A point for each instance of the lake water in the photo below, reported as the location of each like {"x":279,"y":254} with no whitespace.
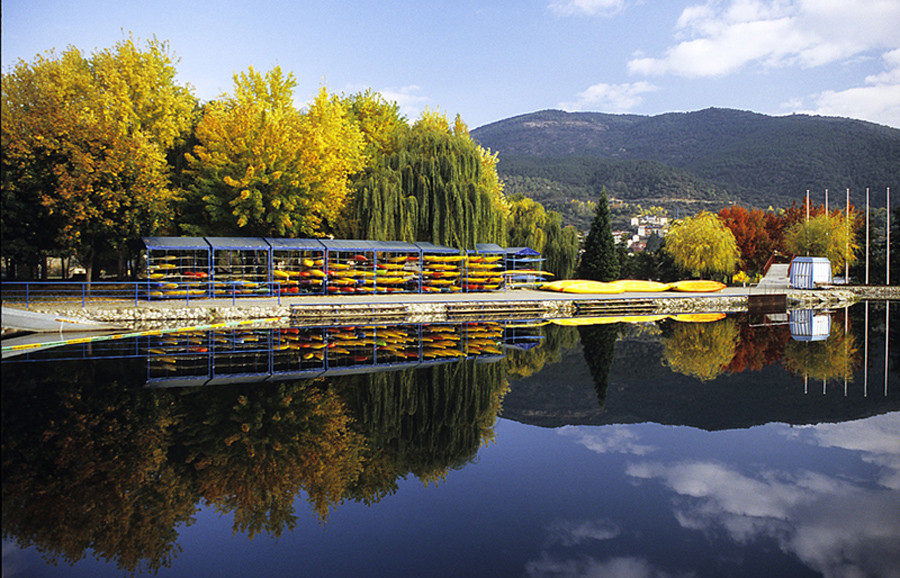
{"x":735,"y":446}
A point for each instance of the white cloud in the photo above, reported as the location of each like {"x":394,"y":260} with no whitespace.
{"x":610,"y":97}
{"x":588,"y":7}
{"x":719,"y":38}
{"x":877,"y":101}
{"x":605,"y":440}
{"x":408,"y":98}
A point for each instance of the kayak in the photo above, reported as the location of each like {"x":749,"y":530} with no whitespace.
{"x":638,"y":285}
{"x":697,"y":286}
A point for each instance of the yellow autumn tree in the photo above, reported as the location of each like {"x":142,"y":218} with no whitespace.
{"x":701,"y":350}
{"x":825,"y":235}
{"x":264,"y":168}
{"x":703,"y":245}
{"x":85,"y":143}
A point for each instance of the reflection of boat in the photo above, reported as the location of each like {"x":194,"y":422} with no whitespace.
{"x":580,"y":321}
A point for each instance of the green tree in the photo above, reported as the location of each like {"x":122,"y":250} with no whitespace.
{"x":84,"y":141}
{"x":599,"y":261}
{"x":702,"y":245}
{"x":825,"y":235}
{"x":439,"y":186}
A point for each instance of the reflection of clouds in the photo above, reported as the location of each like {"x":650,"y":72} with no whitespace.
{"x":12,"y":564}
{"x":606,"y":440}
{"x":625,"y":567}
{"x":877,"y":439}
{"x":569,"y":533}
{"x":837,"y":527}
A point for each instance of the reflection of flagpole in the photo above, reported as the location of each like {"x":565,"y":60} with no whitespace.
{"x":887,"y":340}
{"x":866,"y":356}
{"x":846,"y":325}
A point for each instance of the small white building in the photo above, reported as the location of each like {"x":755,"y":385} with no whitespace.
{"x":809,"y":272}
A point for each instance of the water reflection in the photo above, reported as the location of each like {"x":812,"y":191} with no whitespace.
{"x":827,"y":513}
{"x":103,"y":456}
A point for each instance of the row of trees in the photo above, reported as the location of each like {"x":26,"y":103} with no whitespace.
{"x":736,"y":239}
{"x":98,"y":151}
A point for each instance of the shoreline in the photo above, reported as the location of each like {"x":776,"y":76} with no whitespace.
{"x":432,"y":308}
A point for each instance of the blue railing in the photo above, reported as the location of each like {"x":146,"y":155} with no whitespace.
{"x":31,"y":293}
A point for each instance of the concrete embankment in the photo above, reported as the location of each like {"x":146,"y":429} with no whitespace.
{"x":315,"y":310}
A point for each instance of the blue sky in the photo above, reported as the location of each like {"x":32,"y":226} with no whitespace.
{"x":492,"y":59}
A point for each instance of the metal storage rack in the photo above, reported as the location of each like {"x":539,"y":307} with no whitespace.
{"x":485,"y":269}
{"x":442,"y":268}
{"x":298,"y":266}
{"x":241,"y":266}
{"x":176,"y":267}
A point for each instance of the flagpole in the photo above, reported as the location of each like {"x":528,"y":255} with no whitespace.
{"x":867,"y":235}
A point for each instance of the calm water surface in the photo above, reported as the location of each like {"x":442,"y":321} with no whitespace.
{"x":763,"y":446}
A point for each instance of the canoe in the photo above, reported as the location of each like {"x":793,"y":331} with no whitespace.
{"x":697,"y":286}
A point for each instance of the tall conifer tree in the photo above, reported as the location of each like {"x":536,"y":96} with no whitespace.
{"x":599,"y":261}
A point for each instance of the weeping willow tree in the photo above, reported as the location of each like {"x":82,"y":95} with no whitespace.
{"x":532,"y":226}
{"x":424,"y":422}
{"x":437,"y":185}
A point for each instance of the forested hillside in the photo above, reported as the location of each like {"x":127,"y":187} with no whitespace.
{"x":702,"y":159}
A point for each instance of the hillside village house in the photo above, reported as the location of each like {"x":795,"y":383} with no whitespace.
{"x":642,"y":228}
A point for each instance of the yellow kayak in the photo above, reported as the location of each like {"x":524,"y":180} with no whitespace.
{"x":584,"y":286}
{"x":697,"y":286}
{"x":639,"y":285}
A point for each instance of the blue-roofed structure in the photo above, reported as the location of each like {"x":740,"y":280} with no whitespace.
{"x":176,"y":267}
{"x":241,"y":266}
{"x":298,"y":265}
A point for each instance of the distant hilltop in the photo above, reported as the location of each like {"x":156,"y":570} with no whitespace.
{"x":712,"y":156}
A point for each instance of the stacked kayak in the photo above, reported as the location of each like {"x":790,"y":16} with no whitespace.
{"x":484,"y":273}
{"x":442,"y":273}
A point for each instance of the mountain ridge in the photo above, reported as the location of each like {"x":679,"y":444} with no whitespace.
{"x":745,"y":157}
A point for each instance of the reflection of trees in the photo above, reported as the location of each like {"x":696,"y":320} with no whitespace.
{"x":93,"y":461}
{"x":833,"y":358}
{"x":253,"y":449}
{"x":423,"y":422}
{"x":701,"y":350}
{"x":521,"y":364}
{"x":85,"y":466}
{"x":758,"y":346}
{"x":599,"y":343}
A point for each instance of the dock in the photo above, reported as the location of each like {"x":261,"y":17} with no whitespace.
{"x":449,"y":307}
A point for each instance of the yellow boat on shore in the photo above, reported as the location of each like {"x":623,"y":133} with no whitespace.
{"x":631,"y":285}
